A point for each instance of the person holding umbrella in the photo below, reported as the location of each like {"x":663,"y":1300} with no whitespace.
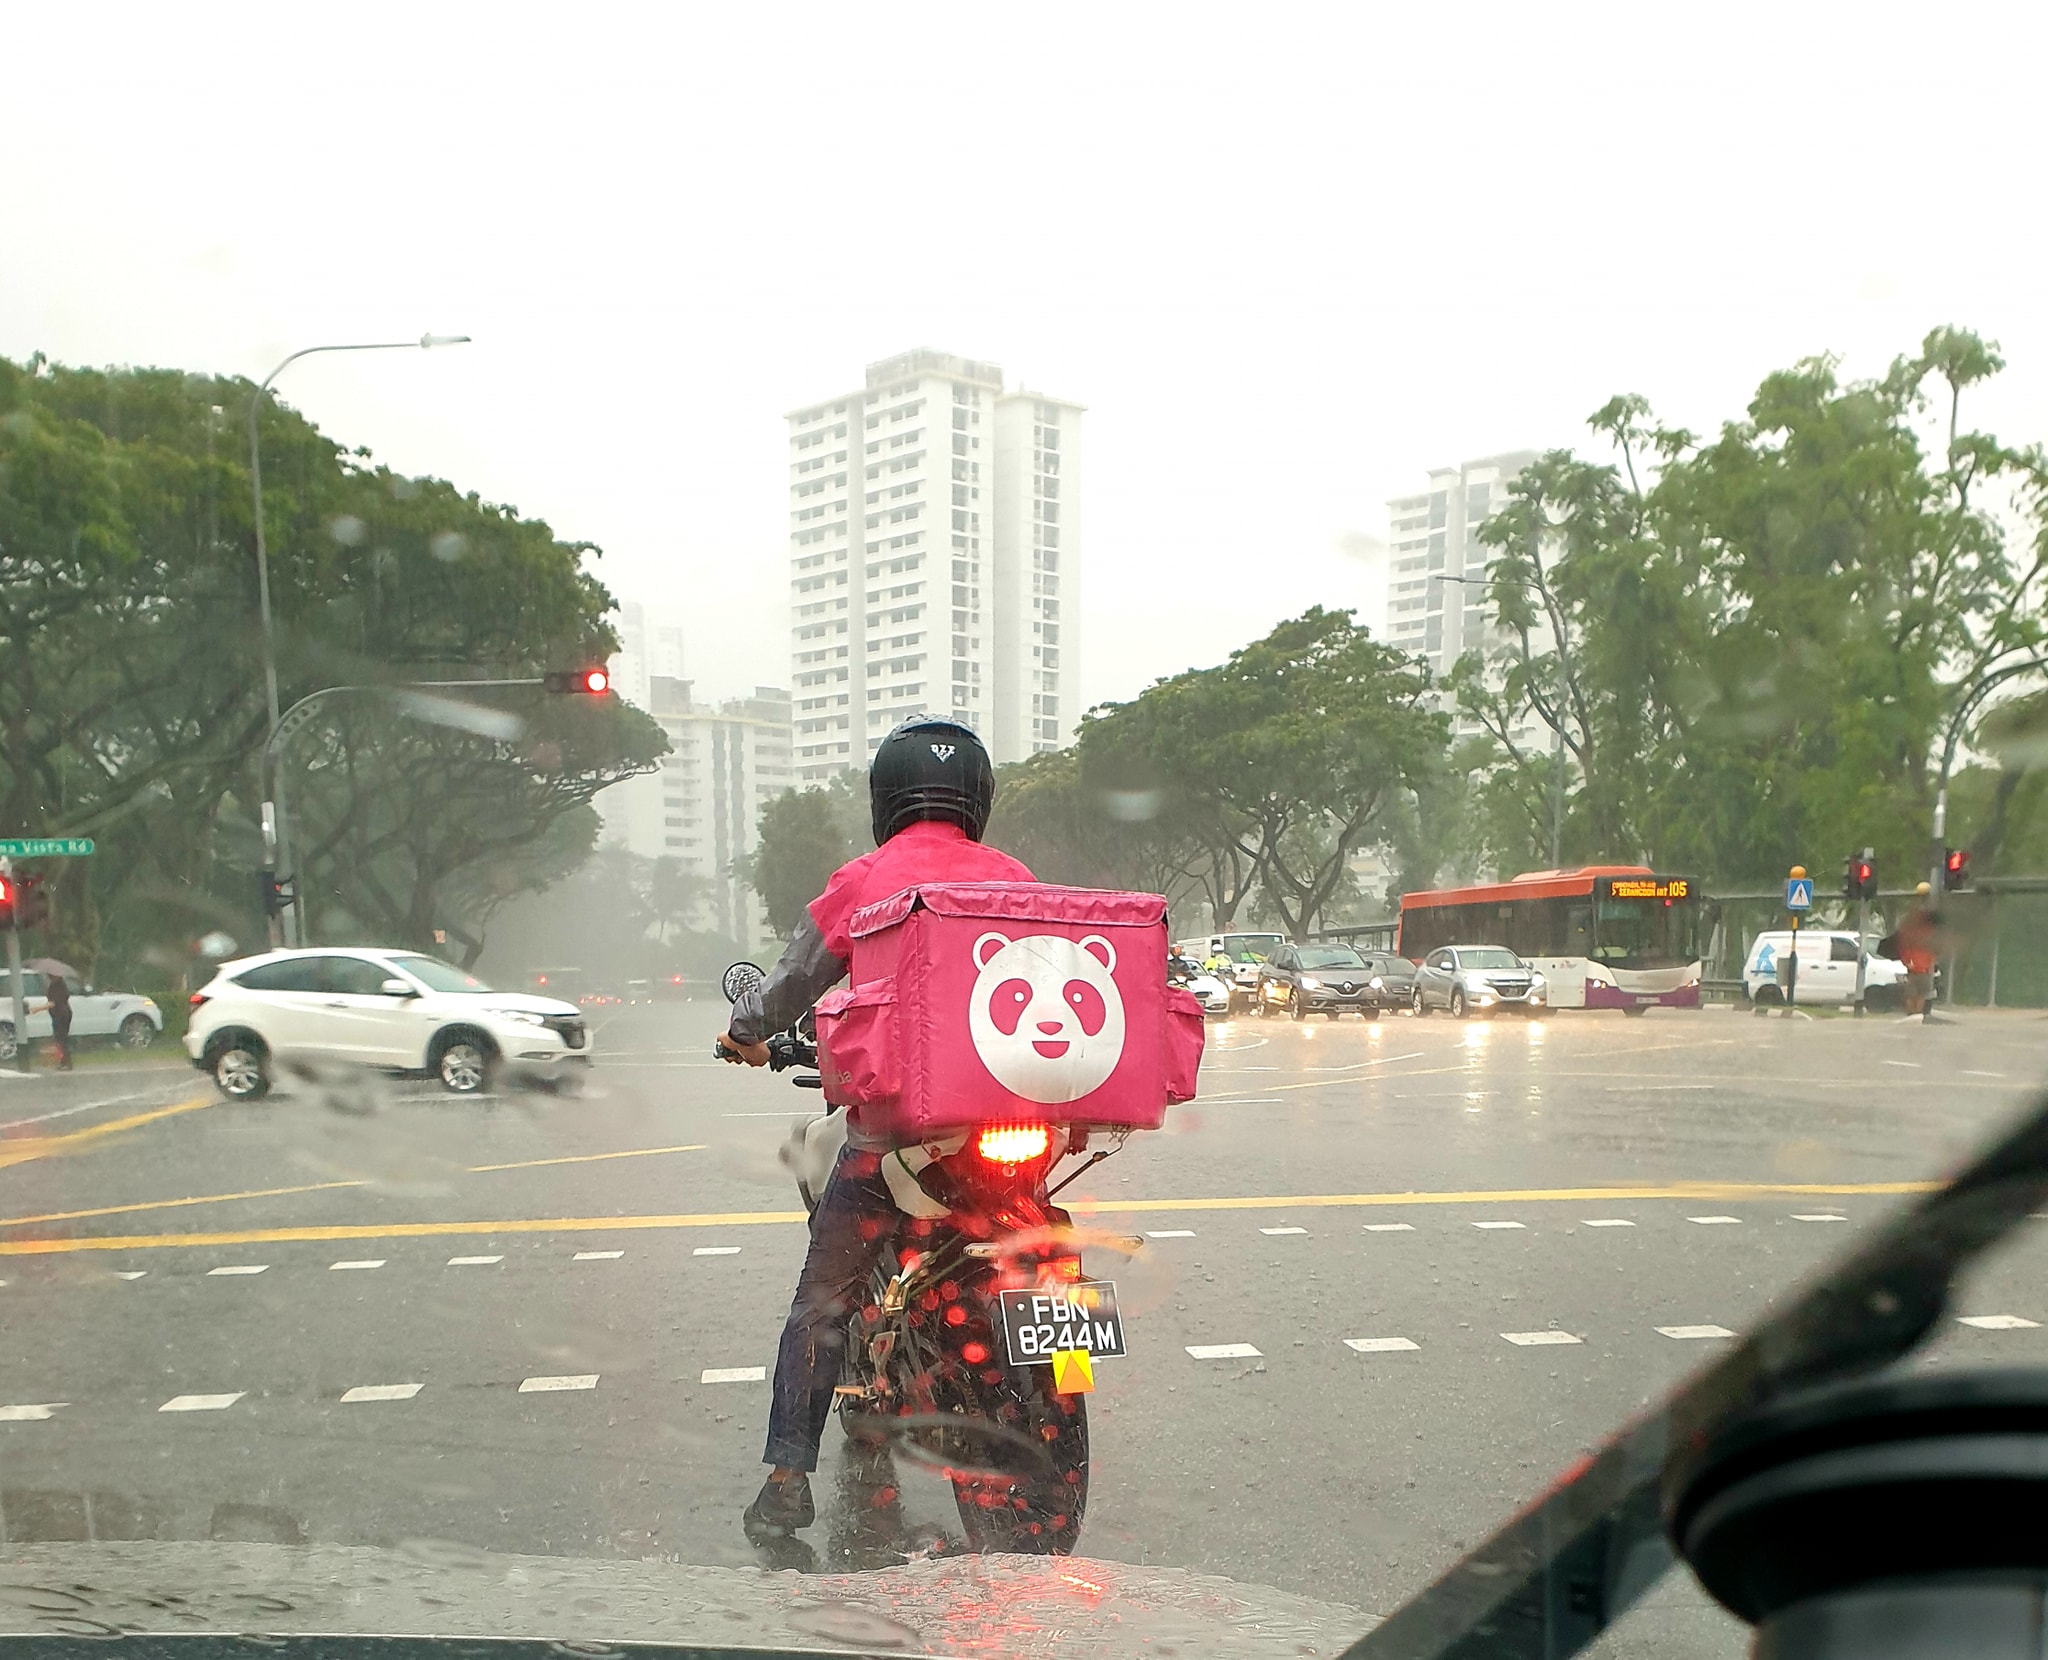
{"x":57,"y":995}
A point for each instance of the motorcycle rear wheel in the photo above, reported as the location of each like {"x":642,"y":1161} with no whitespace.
{"x":1029,"y":1505}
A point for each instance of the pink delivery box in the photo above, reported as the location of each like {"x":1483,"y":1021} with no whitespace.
{"x":1004,"y":1002}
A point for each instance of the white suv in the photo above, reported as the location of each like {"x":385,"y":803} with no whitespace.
{"x":394,"y":1010}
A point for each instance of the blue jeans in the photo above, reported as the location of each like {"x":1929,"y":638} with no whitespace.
{"x":854,"y":1220}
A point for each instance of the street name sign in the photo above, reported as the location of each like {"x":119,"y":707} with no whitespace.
{"x":46,"y":847}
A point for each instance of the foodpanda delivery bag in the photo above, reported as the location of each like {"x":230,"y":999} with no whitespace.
{"x":986,"y":1002}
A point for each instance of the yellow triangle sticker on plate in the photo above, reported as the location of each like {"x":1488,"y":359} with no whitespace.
{"x":1073,"y":1373}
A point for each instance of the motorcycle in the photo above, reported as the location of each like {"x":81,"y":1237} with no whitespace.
{"x":974,"y":1345}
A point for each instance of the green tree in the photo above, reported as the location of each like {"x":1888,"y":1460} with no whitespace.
{"x":1293,"y":754}
{"x":803,"y":840}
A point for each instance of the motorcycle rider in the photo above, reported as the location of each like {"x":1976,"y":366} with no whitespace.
{"x":930,"y":787}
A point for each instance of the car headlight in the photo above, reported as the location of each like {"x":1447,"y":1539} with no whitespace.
{"x":1377,"y":983}
{"x":1476,"y":982}
{"x":525,"y":1017}
{"x":1537,"y":982}
{"x":1310,"y":983}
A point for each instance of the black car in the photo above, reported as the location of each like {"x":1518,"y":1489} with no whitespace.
{"x":1395,"y":977}
{"x":1302,"y":980}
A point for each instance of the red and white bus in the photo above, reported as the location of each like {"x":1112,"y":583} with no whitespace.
{"x":1604,"y":936}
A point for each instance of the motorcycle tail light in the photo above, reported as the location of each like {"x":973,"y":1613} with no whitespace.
{"x":1014,"y":1144}
{"x":1060,"y":1271}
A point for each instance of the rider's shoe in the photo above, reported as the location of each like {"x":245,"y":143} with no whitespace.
{"x":780,"y":1508}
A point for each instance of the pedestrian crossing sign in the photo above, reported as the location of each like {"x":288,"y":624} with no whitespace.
{"x":1073,"y":1373}
{"x":1799,"y":893}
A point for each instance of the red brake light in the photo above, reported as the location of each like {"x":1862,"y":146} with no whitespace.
{"x":1014,"y":1144}
{"x":197,"y":998}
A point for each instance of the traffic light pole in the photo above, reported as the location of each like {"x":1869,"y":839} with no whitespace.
{"x":14,"y":974}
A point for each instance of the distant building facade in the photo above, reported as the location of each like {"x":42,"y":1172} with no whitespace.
{"x":934,"y":561}
{"x":703,"y":806}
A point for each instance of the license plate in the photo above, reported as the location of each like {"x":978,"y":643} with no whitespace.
{"x":1041,"y":1323}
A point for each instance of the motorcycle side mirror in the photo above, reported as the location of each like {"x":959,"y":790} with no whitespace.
{"x":740,"y":979}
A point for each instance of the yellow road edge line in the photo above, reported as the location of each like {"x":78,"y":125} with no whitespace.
{"x":589,"y":1158}
{"x":30,"y":1148}
{"x":728,"y":1219}
{"x":173,"y":1204}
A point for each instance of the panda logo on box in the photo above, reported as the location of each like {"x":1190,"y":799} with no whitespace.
{"x":1046,"y":1017}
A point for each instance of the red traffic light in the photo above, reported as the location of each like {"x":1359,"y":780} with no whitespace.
{"x":591,"y":682}
{"x":1957,"y":868}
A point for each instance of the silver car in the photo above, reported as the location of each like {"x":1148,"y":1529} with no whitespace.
{"x":1482,"y":979}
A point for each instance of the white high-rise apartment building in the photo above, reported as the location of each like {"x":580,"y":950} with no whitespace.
{"x":704,"y":804}
{"x":934,"y":524}
{"x":648,"y":647}
{"x":1436,"y":600}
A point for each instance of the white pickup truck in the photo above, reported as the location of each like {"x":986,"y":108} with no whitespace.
{"x":128,"y":1016}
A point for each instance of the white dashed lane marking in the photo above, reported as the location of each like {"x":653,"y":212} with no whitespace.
{"x":1390,"y":1227}
{"x":381,"y":1392}
{"x":716,"y":1251}
{"x":1967,"y":1073}
{"x":1998,"y":1322}
{"x":544,"y":1386}
{"x":1223,"y":1351}
{"x":1282,"y":1230}
{"x":1914,"y":1064}
{"x":734,"y":1374}
{"x":29,"y":1414}
{"x":597,"y":1256}
{"x":1817,"y":1216}
{"x":1687,"y":1333}
{"x":201,"y":1403}
{"x":361,"y":1262}
{"x":473,"y":1262}
{"x":129,"y":1273}
{"x":1606,"y":1222}
{"x":238,"y":1268}
{"x":1170,"y":1233}
{"x":1712,"y":1221}
{"x":1537,"y":1339}
{"x":1380,"y":1345}
{"x":1500,"y":1224}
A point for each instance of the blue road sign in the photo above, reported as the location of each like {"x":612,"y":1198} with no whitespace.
{"x":1799,"y":893}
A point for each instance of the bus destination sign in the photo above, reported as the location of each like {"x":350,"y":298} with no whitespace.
{"x":1649,"y":887}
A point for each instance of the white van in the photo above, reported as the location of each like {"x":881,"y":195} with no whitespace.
{"x":1827,"y":970}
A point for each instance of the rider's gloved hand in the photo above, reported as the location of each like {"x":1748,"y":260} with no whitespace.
{"x":754,"y":1054}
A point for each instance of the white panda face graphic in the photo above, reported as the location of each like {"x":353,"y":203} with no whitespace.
{"x":1046,"y":1017}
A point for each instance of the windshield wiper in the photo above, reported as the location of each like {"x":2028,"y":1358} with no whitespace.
{"x":1550,"y":1581}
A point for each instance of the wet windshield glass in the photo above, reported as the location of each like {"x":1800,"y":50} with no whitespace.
{"x":1369,"y":689}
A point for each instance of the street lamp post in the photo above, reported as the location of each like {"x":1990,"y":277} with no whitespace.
{"x":1556,"y":737}
{"x":276,"y":837}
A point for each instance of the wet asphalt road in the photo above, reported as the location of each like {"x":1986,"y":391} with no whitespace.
{"x":363,"y":1312}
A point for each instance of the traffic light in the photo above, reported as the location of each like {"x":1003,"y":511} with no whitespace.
{"x":275,"y":892}
{"x":1863,"y":872}
{"x":10,"y":895}
{"x":1956,"y":870}
{"x":592,"y":682}
{"x":31,"y":903}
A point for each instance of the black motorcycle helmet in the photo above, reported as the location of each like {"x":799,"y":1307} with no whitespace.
{"x":930,"y":768}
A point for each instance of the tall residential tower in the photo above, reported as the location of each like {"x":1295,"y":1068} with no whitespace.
{"x":934,"y":524}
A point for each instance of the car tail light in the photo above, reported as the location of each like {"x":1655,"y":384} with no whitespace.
{"x":198,"y":997}
{"x":1014,"y":1144}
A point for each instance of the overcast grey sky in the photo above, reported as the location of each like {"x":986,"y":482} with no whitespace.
{"x":1289,"y":256}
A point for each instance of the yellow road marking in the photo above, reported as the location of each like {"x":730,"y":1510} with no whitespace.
{"x":746,"y":1218}
{"x":589,"y":1158}
{"x":172,"y":1204}
{"x":313,"y":1187}
{"x":30,"y":1148}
